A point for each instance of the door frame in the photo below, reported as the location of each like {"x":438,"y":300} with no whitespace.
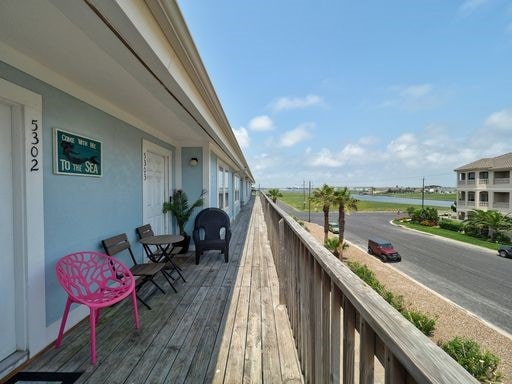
{"x":28,"y":221}
{"x":167,"y":153}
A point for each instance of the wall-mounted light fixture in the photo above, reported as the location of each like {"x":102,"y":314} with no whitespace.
{"x":193,"y":162}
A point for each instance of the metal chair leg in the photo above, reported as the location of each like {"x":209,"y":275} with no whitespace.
{"x":166,"y":275}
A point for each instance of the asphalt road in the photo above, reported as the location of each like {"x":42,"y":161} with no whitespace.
{"x":475,"y":278}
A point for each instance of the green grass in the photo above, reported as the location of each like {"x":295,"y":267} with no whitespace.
{"x":451,"y":235}
{"x":296,"y":200}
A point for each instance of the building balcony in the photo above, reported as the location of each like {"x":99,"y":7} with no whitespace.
{"x":461,"y":182}
{"x":471,"y":182}
{"x":502,"y":180}
{"x":283,"y":309}
{"x":483,"y":181}
{"x":483,"y":203}
{"x":501,"y":204}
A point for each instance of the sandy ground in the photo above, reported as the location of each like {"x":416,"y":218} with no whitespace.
{"x":452,"y":320}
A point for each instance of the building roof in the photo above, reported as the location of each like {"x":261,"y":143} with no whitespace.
{"x":498,"y":162}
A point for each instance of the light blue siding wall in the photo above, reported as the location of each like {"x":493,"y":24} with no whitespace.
{"x":192,"y":179}
{"x":81,"y":211}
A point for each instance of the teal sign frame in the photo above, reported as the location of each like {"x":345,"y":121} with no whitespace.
{"x":76,"y":155}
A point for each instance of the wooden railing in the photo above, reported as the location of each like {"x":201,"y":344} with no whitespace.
{"x":333,"y":314}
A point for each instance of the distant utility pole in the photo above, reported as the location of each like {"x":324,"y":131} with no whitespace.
{"x":309,"y":201}
{"x":304,"y":192}
{"x":423,"y":195}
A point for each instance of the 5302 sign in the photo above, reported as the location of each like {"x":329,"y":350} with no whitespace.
{"x":76,"y":155}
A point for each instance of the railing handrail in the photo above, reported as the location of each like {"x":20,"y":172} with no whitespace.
{"x":419,"y":356}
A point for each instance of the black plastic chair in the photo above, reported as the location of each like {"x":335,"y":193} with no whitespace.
{"x":212,"y":232}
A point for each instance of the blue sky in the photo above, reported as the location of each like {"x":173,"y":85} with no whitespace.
{"x":360,"y":93}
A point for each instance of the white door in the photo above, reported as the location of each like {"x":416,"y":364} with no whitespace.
{"x":156,"y":186}
{"x":7,"y":318}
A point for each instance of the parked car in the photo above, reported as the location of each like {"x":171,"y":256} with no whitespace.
{"x":334,"y":227}
{"x":383,"y":249}
{"x":505,"y":251}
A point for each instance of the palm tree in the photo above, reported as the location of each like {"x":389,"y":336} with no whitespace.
{"x":492,"y":221}
{"x":346,"y":203}
{"x":324,"y":197}
{"x":274,"y":194}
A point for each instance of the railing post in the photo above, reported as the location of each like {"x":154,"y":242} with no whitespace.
{"x":326,"y":326}
{"x":367,"y":353}
{"x":318,"y":322}
{"x":393,"y":370}
{"x":336,"y":301}
{"x":349,"y":326}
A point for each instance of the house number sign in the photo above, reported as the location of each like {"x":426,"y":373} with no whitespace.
{"x":34,"y":147}
{"x":76,"y":155}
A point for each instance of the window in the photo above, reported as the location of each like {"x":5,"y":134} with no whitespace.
{"x":220,"y":187}
{"x":226,"y":189}
{"x":237,"y":188}
{"x":223,"y":188}
{"x":471,"y":196}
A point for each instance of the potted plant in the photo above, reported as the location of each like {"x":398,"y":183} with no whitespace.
{"x":180,"y":208}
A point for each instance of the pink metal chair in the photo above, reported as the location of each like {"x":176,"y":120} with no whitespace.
{"x":97,"y":281}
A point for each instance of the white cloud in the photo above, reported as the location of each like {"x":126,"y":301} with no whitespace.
{"x":325,"y":158}
{"x":296,"y":135}
{"x":351,"y":151}
{"x":419,"y":90}
{"x":368,"y":140}
{"x":242,"y":136}
{"x":404,"y":147}
{"x":415,"y":97}
{"x":469,"y":6}
{"x":349,"y":154}
{"x":501,"y":120}
{"x":261,"y":123}
{"x":284,"y":103}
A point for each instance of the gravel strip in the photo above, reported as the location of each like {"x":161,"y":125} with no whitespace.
{"x":452,"y":320}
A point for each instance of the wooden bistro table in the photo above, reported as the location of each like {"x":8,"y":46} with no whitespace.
{"x":164,"y":246}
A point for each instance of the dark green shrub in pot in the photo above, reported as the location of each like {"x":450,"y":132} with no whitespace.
{"x":180,"y":208}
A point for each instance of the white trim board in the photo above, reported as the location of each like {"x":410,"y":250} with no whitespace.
{"x":29,"y":220}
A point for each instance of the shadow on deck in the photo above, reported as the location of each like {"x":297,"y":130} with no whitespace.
{"x":225,"y":324}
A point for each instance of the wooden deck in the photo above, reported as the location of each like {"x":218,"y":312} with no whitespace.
{"x":225,"y":324}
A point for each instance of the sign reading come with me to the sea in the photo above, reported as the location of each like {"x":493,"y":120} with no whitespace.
{"x":76,"y":155}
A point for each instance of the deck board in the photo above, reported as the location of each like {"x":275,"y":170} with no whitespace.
{"x":225,"y":324}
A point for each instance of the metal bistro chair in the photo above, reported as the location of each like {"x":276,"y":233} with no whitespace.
{"x":146,"y":271}
{"x":147,"y":231}
{"x":212,"y":231}
{"x":97,"y":281}
{"x":155,"y":254}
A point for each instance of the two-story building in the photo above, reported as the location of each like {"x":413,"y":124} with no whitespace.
{"x":485,"y":184}
{"x":105,"y":109}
